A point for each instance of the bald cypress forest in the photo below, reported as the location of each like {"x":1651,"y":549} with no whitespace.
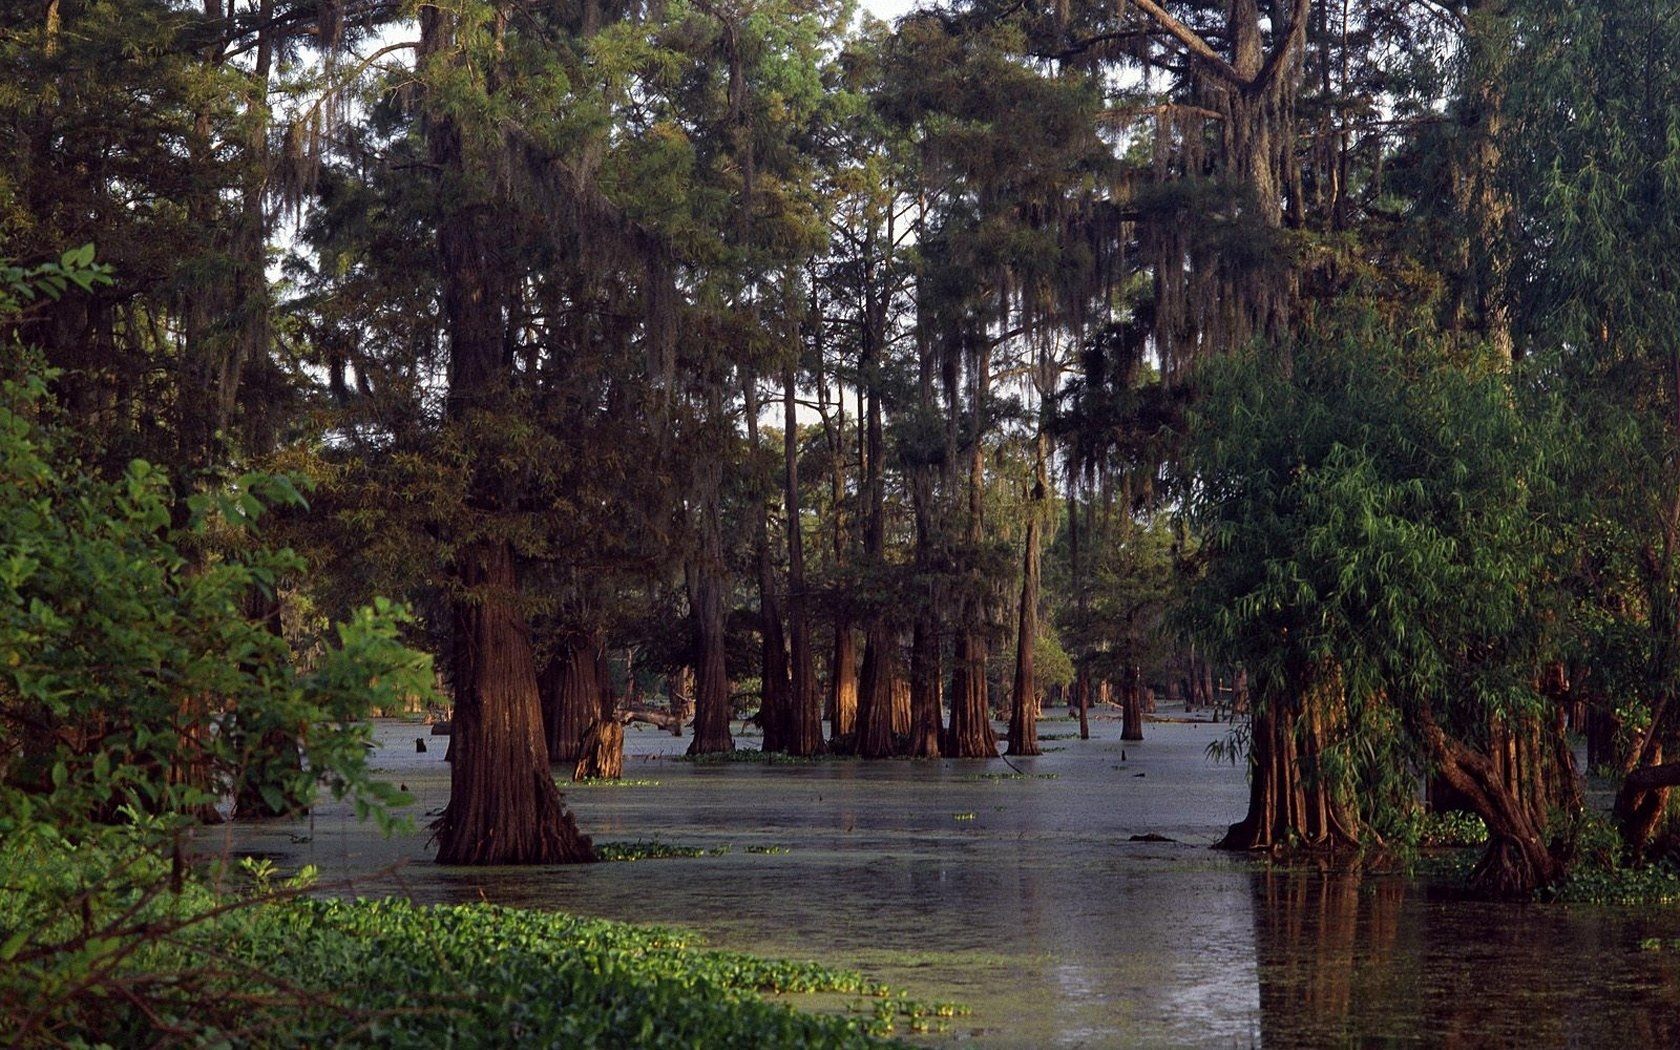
{"x":1224,"y":446}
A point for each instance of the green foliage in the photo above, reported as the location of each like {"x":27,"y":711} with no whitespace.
{"x":652,"y":850}
{"x":1596,"y":164}
{"x":753,"y":756}
{"x":137,"y":694}
{"x":295,"y":972}
{"x":1451,"y":830}
{"x":1376,"y":508}
{"x":22,"y":285}
{"x":127,"y":657}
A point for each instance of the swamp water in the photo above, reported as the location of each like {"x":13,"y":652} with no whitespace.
{"x":1024,"y":898}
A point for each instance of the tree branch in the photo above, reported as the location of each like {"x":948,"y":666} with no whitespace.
{"x":1192,"y":42}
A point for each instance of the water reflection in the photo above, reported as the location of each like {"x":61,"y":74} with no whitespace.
{"x":1044,"y":916}
{"x":1344,"y":959}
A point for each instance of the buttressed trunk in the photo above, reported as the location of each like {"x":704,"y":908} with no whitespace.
{"x":970,"y":734}
{"x":1291,"y":804}
{"x":1513,"y":804}
{"x":875,"y":695}
{"x":1131,"y":700}
{"x":504,"y":807}
{"x":711,"y":702}
{"x":601,"y":756}
{"x":571,"y":689}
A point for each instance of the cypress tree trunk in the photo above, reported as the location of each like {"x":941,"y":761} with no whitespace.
{"x":1518,"y":860}
{"x":875,"y":695}
{"x":773,"y":714}
{"x":1290,"y":803}
{"x":1131,"y":700}
{"x":925,"y":721}
{"x":874,"y":720}
{"x":571,"y":689}
{"x":601,"y":754}
{"x":971,"y":734}
{"x":900,"y":704}
{"x":843,"y":687}
{"x":711,"y":701}
{"x":804,"y":709}
{"x":1023,"y":711}
{"x":1082,"y":696}
{"x":708,"y":583}
{"x":504,"y":807}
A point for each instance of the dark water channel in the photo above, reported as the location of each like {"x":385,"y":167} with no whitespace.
{"x":1025,"y":899}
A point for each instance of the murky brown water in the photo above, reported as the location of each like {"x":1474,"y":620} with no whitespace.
{"x":1039,"y":913}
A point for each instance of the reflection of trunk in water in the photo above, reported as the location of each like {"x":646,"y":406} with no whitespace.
{"x":1325,"y":943}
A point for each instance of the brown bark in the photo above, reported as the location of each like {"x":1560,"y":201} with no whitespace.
{"x":970,"y":734}
{"x":1642,"y":800}
{"x":1291,"y":805}
{"x":925,"y":721}
{"x":711,"y":701}
{"x":1023,"y":707}
{"x":804,"y":709}
{"x":1131,"y":704}
{"x":900,"y":705}
{"x":1518,"y":861}
{"x":601,"y":756}
{"x":875,"y":695}
{"x":843,"y":684}
{"x":571,"y":688}
{"x":504,"y":807}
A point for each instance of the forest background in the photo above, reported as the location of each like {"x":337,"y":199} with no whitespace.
{"x":876,"y":379}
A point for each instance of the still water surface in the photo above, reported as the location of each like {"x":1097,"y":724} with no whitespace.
{"x":1026,"y":899}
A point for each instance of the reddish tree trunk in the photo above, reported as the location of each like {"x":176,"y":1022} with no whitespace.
{"x":711,"y":701}
{"x":970,"y":734}
{"x":601,"y":756}
{"x":875,"y":695}
{"x":1290,"y":802}
{"x":925,"y":721}
{"x":1518,"y":861}
{"x":503,"y":807}
{"x":1132,"y":704}
{"x":571,"y":688}
{"x":843,"y":686}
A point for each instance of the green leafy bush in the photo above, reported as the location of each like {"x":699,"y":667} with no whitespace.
{"x":138,"y":696}
{"x":288,"y":971}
